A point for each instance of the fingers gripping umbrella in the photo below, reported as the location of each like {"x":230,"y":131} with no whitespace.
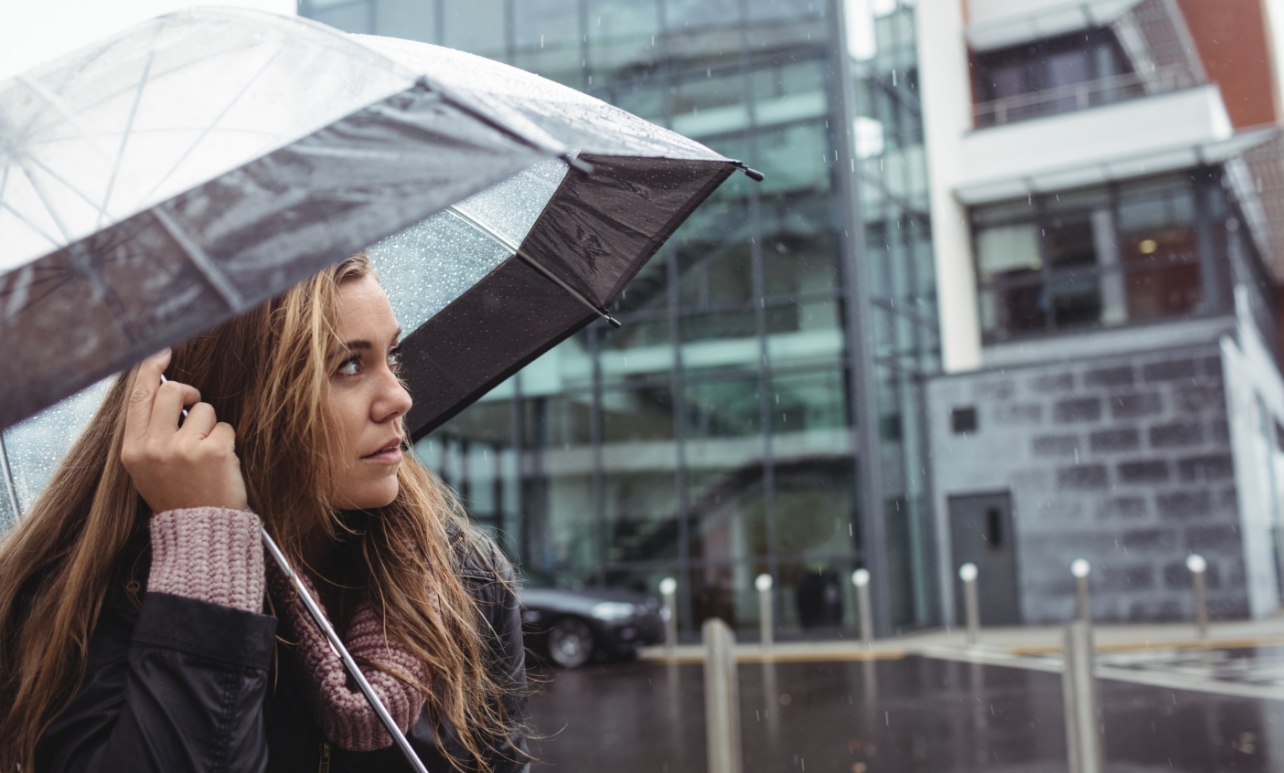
{"x":176,"y":175}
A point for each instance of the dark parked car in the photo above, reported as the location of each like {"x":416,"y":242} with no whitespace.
{"x":571,"y":626}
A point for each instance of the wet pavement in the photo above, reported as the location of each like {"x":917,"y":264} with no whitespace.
{"x":912,"y":714}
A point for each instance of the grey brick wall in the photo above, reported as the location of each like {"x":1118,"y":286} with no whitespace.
{"x":1122,"y":460}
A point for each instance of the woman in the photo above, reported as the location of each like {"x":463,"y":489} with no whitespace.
{"x":139,"y":629}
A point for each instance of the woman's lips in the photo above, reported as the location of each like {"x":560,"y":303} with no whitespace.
{"x":386,"y":456}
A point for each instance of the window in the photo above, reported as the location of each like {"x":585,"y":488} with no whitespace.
{"x":994,"y":528}
{"x":1099,"y":257}
{"x":963,"y":420}
{"x":1157,"y":242}
{"x":1055,"y":75}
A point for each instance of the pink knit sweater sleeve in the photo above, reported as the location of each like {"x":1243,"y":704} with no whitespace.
{"x":209,"y":554}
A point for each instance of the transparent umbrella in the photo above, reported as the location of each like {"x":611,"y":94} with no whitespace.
{"x":176,"y":175}
{"x":182,"y":172}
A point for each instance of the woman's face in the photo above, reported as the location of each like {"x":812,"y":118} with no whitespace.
{"x":366,"y":400}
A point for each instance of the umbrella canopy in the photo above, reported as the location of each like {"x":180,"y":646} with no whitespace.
{"x":178,"y":174}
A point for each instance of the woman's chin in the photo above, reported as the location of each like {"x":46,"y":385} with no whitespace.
{"x":369,"y":497}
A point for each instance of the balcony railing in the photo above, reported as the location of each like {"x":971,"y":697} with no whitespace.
{"x":1080,"y":96}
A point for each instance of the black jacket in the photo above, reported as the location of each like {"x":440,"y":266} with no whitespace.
{"x":181,"y":685}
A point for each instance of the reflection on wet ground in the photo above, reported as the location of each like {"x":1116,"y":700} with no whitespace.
{"x":1263,"y":666}
{"x":915,"y":714}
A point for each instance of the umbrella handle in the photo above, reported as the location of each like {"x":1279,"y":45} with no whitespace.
{"x":351,"y":665}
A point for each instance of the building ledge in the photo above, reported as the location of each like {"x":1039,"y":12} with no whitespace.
{"x":1092,"y":146}
{"x":1002,"y":23}
{"x":1091,"y":344}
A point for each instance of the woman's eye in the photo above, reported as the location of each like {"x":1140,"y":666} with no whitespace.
{"x":349,"y":367}
{"x":394,"y":359}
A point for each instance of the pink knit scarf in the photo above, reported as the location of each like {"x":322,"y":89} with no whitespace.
{"x":346,"y":718}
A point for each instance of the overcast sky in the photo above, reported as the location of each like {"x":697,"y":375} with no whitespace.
{"x":34,"y":31}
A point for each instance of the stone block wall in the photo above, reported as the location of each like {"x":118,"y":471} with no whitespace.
{"x":1123,"y":460}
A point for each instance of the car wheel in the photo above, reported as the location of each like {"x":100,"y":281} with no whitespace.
{"x":570,"y":643}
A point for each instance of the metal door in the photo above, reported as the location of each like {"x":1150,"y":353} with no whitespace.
{"x":981,"y":533}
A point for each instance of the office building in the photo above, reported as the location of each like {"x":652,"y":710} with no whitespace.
{"x":736,"y":424}
{"x":1104,"y":181}
{"x":1007,"y":296}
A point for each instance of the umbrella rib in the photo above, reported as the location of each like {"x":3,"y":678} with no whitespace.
{"x":63,"y":276}
{"x":210,"y":128}
{"x":56,"y":103}
{"x":35,"y":186}
{"x":32,"y":302}
{"x":143,"y":80}
{"x":111,"y":299}
{"x":52,"y":241}
{"x":11,"y":486}
{"x":110,"y":95}
{"x":535,"y":264}
{"x":83,"y":196}
{"x":201,"y":261}
{"x":568,"y":157}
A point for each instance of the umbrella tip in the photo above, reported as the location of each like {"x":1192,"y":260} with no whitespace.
{"x":752,"y":174}
{"x":612,"y":321}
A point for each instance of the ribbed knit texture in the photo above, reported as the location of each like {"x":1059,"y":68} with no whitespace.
{"x":346,"y":717}
{"x":209,"y":554}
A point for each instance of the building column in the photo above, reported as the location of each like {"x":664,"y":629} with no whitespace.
{"x":1114,"y":298}
{"x":858,"y":318}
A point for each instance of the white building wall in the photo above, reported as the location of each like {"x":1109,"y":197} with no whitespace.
{"x":947,"y":118}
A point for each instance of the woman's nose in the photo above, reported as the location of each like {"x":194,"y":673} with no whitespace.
{"x":393,"y":401}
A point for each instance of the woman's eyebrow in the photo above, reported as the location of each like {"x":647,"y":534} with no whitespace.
{"x":364,"y":345}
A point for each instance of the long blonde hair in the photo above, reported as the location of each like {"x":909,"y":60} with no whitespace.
{"x":266,"y":373}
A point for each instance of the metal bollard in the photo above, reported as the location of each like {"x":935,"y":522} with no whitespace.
{"x":1197,"y":566}
{"x":1080,"y":568}
{"x":860,"y":578}
{"x":967,"y":573}
{"x":765,"y":609}
{"x":721,"y":698}
{"x":669,"y":589}
{"x":1079,"y":694}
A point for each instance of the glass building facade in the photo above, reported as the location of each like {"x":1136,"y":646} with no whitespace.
{"x":760,"y":409}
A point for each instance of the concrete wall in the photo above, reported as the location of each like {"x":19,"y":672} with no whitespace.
{"x":1124,"y":460}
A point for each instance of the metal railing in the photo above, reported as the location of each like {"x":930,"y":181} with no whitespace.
{"x":1080,"y":96}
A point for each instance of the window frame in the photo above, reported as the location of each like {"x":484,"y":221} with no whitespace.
{"x":1208,"y":232}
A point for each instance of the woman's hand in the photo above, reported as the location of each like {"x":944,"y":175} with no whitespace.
{"x":178,"y":467}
